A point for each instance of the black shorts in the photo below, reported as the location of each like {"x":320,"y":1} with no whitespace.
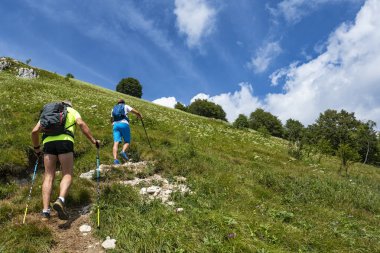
{"x":58,"y":147}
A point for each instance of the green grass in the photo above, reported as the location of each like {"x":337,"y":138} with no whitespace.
{"x":248,"y":194}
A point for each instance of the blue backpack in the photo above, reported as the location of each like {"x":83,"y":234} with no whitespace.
{"x":118,"y":113}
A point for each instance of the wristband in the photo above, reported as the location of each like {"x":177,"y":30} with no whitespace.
{"x":37,"y":147}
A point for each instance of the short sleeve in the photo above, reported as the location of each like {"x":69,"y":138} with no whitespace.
{"x":127,"y":109}
{"x":74,"y":112}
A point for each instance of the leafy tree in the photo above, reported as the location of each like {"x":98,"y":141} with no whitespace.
{"x":208,"y":109}
{"x":130,"y":86}
{"x":294,"y":133}
{"x":28,"y":61}
{"x":324,"y":147}
{"x":180,"y":106}
{"x":347,"y":156}
{"x":293,"y":130}
{"x":336,"y":127}
{"x":368,"y":142}
{"x":264,"y":131}
{"x":260,"y":118}
{"x":69,"y":75}
{"x":241,"y":122}
{"x":348,"y":138}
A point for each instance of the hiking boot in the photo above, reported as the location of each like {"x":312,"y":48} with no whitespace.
{"x":124,"y":156}
{"x":116,"y":161}
{"x":45,"y":216}
{"x":59,"y":206}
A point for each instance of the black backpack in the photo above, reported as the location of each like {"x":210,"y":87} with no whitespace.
{"x":53,"y":119}
{"x":118,"y":112}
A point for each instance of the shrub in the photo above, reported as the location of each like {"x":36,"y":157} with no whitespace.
{"x":241,"y":122}
{"x":260,"y":119}
{"x":208,"y":109}
{"x":130,"y":86}
{"x":180,"y":106}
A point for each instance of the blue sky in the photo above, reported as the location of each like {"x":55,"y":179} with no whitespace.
{"x":294,"y":58}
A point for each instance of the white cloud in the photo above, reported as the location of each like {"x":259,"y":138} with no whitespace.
{"x":294,"y":10}
{"x":282,"y":73}
{"x":346,"y":76}
{"x":166,"y":101}
{"x":195,"y":19}
{"x":239,"y":102}
{"x":264,"y":56}
{"x":200,"y":96}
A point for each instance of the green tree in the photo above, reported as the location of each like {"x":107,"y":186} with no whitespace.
{"x":208,"y":109}
{"x":28,"y":61}
{"x":336,"y":127}
{"x":262,"y":119}
{"x":293,"y":130}
{"x":347,"y":156}
{"x":294,"y":133}
{"x":348,"y":138}
{"x":180,"y":106}
{"x":69,"y":75}
{"x":241,"y":122}
{"x":368,"y":142}
{"x":130,"y":86}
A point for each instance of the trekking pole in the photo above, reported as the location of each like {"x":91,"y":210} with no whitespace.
{"x":97,"y":179}
{"x":146,"y":134}
{"x":30,"y":191}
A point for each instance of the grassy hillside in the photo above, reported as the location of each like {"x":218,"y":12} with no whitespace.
{"x":248,"y":194}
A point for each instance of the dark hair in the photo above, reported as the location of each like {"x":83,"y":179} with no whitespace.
{"x":120,"y":101}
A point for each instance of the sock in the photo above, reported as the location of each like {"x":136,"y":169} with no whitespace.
{"x":46,"y":210}
{"x":62,"y":198}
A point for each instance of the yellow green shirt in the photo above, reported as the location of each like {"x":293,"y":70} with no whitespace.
{"x":72,"y":116}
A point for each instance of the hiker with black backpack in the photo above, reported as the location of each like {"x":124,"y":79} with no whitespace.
{"x":57,"y":124}
{"x":121,"y":130}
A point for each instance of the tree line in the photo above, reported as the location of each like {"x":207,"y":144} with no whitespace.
{"x":334,"y":132}
{"x":337,"y":133}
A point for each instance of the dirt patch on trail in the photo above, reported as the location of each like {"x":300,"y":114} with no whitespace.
{"x":67,"y":236}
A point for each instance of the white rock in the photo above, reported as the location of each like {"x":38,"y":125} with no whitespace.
{"x":153,"y":190}
{"x":87,"y":175}
{"x":85,"y":228}
{"x":179,"y":209}
{"x":143,"y":191}
{"x":4,"y":64}
{"x":109,"y":243}
{"x":27,"y":73}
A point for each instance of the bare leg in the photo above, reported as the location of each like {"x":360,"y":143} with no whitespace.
{"x":50,"y":162}
{"x":114,"y":149}
{"x":125,"y":146}
{"x":67,"y":162}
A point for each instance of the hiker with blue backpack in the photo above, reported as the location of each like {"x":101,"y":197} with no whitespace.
{"x":57,"y":123}
{"x":121,"y":130}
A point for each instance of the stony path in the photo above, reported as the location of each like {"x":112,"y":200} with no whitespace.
{"x":67,"y":236}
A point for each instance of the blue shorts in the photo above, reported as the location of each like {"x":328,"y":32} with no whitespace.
{"x":121,"y":130}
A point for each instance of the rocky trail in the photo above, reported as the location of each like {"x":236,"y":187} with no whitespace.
{"x":77,"y":233}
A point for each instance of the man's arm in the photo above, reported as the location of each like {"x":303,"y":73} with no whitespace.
{"x":86,"y":131}
{"x":36,"y":138}
{"x":134,"y":111}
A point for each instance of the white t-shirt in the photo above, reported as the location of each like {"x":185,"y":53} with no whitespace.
{"x":127,"y":109}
